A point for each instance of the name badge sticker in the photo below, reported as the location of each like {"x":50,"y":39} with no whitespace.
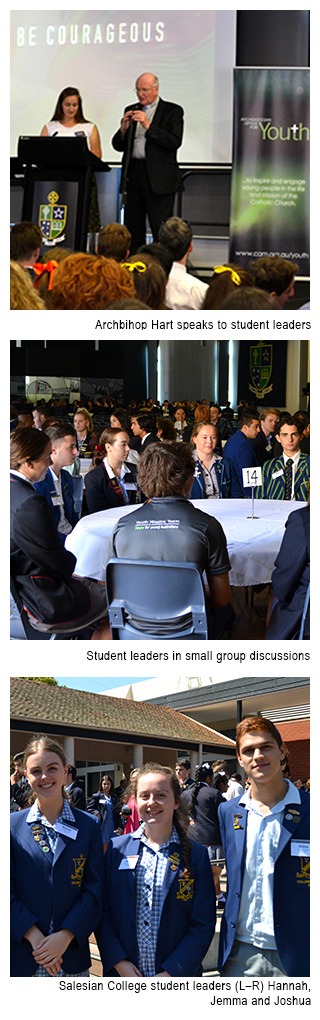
{"x":128,"y":863}
{"x":300,"y":848}
{"x":66,"y":830}
{"x":277,"y":474}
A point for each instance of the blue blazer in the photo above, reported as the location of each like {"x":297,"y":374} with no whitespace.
{"x":187,"y":920}
{"x":47,"y":489}
{"x":43,"y":886}
{"x":229,"y":486}
{"x":290,"y":579}
{"x":240,"y":450}
{"x":274,"y":488}
{"x":291,"y":885}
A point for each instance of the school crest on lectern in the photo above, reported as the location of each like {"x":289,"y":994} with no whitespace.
{"x":52,"y":220}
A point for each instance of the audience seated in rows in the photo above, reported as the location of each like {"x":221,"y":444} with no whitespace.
{"x":266,"y":284}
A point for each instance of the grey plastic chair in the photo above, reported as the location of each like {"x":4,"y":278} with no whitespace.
{"x":155,"y":600}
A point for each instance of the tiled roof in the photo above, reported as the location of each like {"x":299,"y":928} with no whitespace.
{"x":43,"y":703}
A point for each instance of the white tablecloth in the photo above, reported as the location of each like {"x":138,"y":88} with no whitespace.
{"x":252,"y":543}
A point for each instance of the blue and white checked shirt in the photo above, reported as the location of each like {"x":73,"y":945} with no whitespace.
{"x":51,"y":835}
{"x":150,"y":872}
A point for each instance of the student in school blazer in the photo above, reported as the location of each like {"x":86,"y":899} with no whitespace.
{"x":187,"y":919}
{"x":67,"y":887}
{"x":273,"y":479}
{"x":47,"y":489}
{"x":291,"y":883}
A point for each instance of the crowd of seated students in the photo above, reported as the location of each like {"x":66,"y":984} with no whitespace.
{"x":221,"y":441}
{"x":159,"y":275}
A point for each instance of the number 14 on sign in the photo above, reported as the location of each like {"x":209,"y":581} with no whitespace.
{"x":251,"y":477}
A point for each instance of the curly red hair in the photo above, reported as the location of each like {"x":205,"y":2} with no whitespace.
{"x":89,"y":281}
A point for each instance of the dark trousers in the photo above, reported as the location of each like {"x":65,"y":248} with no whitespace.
{"x":142,"y":202}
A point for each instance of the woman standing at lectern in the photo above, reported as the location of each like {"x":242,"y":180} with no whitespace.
{"x":68,"y":121}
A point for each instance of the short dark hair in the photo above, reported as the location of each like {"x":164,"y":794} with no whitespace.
{"x":164,"y":469}
{"x":73,"y":772}
{"x":114,"y":241}
{"x":24,"y":238}
{"x":288,"y":419}
{"x":145,"y":421}
{"x":247,"y":417}
{"x":254,"y":723}
{"x":184,"y":762}
{"x":176,"y":235}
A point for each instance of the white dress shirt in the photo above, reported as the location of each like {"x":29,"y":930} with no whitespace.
{"x":184,"y":290}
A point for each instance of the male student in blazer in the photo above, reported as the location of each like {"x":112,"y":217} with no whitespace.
{"x":266,"y":838}
{"x":149,"y":136}
{"x":57,"y":486}
{"x":287,"y":476}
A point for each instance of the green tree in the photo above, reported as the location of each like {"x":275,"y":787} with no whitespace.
{"x":43,"y":680}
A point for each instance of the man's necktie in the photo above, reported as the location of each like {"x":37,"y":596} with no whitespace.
{"x":288,"y":478}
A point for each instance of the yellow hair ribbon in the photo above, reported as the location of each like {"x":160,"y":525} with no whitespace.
{"x":140,"y":266}
{"x":227,"y":269}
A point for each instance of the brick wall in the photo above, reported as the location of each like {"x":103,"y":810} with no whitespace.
{"x":296,"y":736}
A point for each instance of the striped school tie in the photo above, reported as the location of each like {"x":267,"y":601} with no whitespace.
{"x":288,"y":478}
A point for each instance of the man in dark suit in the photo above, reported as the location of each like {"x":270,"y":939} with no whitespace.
{"x":75,"y":792}
{"x":266,"y":838}
{"x":149,"y":136}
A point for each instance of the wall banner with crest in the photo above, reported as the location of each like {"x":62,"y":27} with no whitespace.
{"x":262,"y":372}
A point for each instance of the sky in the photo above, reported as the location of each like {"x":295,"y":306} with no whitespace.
{"x":96,"y":684}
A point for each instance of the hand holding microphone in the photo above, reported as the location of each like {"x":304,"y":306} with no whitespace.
{"x":136,"y":114}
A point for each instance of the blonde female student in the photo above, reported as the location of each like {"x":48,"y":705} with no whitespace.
{"x":56,"y":872}
{"x":159,"y":915}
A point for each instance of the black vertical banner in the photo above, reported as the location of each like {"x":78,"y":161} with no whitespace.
{"x":270,"y":177}
{"x":262,"y":373}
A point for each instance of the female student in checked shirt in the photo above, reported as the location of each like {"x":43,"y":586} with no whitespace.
{"x":159,"y":915}
{"x":57,"y":872}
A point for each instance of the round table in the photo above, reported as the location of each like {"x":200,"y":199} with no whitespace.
{"x":253,"y":544}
